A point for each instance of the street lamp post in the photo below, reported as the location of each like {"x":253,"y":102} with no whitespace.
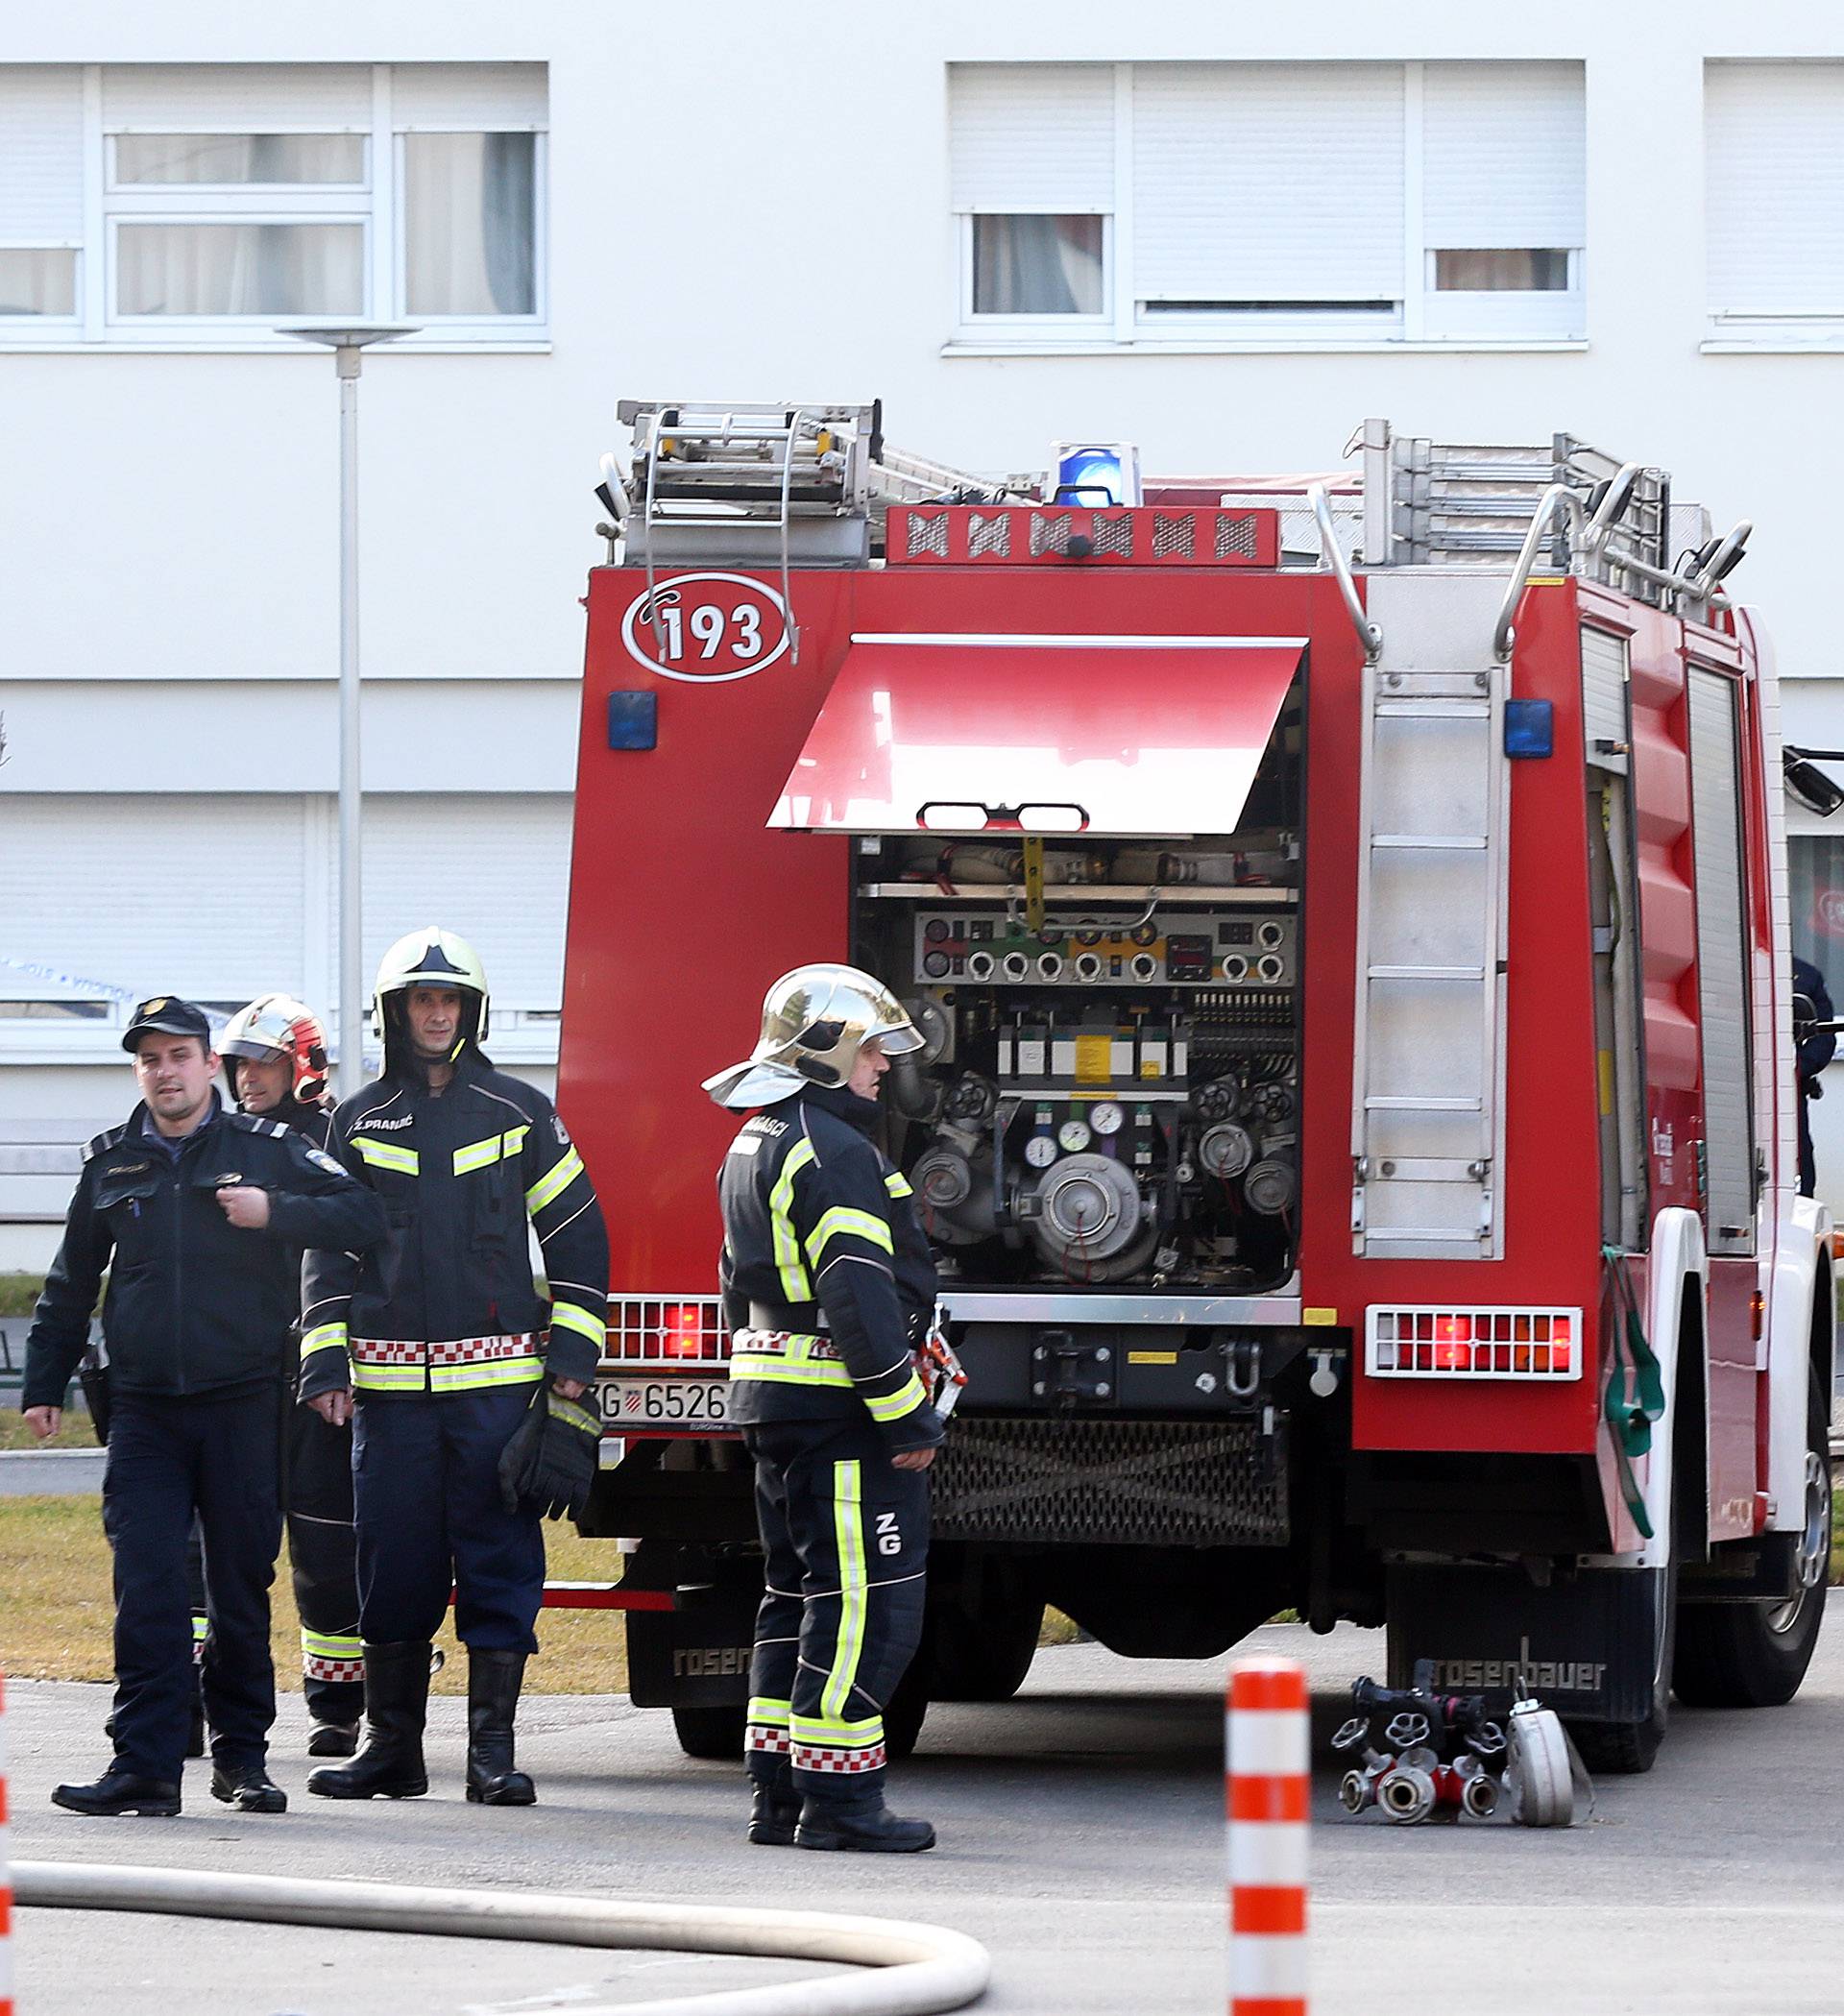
{"x":347,"y":346}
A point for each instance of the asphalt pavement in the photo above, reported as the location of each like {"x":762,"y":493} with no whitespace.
{"x":1081,"y":1839}
{"x":51,"y":1473}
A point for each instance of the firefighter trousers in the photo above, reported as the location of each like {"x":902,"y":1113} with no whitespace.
{"x":425,"y":1493}
{"x":322,"y":1557}
{"x":846,"y":1539}
{"x":168,"y":1460}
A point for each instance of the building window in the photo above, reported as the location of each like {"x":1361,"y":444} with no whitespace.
{"x":1037,"y":265}
{"x":237,"y":197}
{"x":1271,"y":203}
{"x":1774,"y":201}
{"x":469,"y":224}
{"x":1815,"y":869}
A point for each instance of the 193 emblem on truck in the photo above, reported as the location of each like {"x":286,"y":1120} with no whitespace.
{"x":706,"y":628}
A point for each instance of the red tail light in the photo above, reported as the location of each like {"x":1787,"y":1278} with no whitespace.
{"x":682,"y":1332}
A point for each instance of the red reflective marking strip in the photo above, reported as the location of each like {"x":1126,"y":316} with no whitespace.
{"x":1268,"y":1797}
{"x":1268,"y":1907}
{"x":1268,"y":2005}
{"x":1268,"y":1686}
{"x":566,"y":1599}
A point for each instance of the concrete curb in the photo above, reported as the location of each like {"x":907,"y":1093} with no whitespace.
{"x":919,"y":1968}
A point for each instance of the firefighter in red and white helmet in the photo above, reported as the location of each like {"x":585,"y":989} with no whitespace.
{"x":275,"y":1058}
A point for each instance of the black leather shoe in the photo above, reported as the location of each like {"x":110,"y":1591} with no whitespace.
{"x":397,"y":1702}
{"x":118,"y":1792}
{"x":773,"y":1817}
{"x":871,"y":1828}
{"x":332,"y":1740}
{"x":494,"y":1680}
{"x":248,"y":1787}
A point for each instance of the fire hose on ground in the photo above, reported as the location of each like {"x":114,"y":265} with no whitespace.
{"x":919,"y":1968}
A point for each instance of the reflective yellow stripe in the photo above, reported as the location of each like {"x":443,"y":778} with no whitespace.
{"x":477,"y":1154}
{"x":795,"y":1287}
{"x":831,"y":1730}
{"x":554,"y":1181}
{"x":848,"y":1537}
{"x":771,"y":1714}
{"x":892,"y":1406}
{"x":389,"y":1378}
{"x":470,"y":1378}
{"x":570,"y":1317}
{"x":386,"y":1155}
{"x":323,"y":1644}
{"x":201,"y":1627}
{"x":898,"y":1184}
{"x":515,"y":1139}
{"x":841,"y":1218}
{"x":322,"y":1337}
{"x":786,"y":1374}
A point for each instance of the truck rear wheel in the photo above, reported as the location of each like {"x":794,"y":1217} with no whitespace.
{"x":983,"y":1657}
{"x":1754,"y":1655}
{"x":711,"y":1732}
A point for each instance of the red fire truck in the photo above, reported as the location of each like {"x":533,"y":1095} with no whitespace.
{"x":1357,"y":1117}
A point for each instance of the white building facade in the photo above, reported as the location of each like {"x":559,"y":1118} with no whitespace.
{"x":1227,"y":240}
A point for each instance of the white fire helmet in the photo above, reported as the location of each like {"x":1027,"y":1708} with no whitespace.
{"x":815,"y":1021}
{"x":431,"y":958}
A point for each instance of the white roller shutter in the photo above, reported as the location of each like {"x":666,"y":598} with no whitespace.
{"x":1774,"y":171}
{"x":1268,"y":181}
{"x":494,"y":866}
{"x":469,"y":97}
{"x":1606,"y":731}
{"x":1504,"y":155}
{"x":1033,"y":138}
{"x":238,"y":97}
{"x":42,"y":154}
{"x":201,"y":896}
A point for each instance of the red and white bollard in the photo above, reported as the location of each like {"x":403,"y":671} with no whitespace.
{"x":5,"y":1871}
{"x":1267,"y":1773}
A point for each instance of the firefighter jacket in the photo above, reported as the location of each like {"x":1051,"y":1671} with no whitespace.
{"x":828,"y":1282}
{"x":448,"y":1303}
{"x":195,"y":1304}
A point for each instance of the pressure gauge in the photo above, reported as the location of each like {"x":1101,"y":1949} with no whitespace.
{"x":1073,"y":1135}
{"x":1040,"y":1151}
{"x":1105,"y":1117}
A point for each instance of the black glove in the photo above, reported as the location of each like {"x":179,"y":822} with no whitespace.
{"x":550,"y":1464}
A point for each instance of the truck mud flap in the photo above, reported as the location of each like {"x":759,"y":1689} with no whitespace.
{"x":696,"y":1655}
{"x":1584,"y":1644}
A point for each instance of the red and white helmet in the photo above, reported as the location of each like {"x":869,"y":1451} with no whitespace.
{"x":278,"y":1026}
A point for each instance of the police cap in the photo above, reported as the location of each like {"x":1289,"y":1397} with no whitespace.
{"x":170,"y":1016}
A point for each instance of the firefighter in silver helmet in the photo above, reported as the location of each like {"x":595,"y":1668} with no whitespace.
{"x":828,"y":1289}
{"x":275,"y":1059}
{"x":466,"y":1387}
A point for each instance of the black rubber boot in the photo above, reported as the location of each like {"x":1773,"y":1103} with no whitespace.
{"x":397,"y":1702}
{"x":494,"y":1680}
{"x":248,"y":1787}
{"x":332,"y":1738}
{"x":774,"y":1813}
{"x":118,"y":1792}
{"x":866,"y":1825}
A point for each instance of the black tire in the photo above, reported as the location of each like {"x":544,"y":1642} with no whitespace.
{"x":983,"y":1658}
{"x":906,"y":1711}
{"x":1754,"y":1655}
{"x":715,"y":1733}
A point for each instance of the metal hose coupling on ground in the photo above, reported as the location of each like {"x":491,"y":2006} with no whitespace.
{"x":919,"y":1968}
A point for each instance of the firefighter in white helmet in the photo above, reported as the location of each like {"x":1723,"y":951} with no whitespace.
{"x":471,"y":1421}
{"x":274,"y":1060}
{"x":828,"y":1287}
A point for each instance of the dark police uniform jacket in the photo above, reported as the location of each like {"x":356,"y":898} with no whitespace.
{"x":448,"y":1303}
{"x":195,"y":1304}
{"x":828,"y":1281}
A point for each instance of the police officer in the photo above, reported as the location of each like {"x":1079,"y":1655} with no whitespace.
{"x":828,"y":1288}
{"x":201,"y":1211}
{"x":1813,"y":1050}
{"x":275,"y":1062}
{"x":450,"y":1355}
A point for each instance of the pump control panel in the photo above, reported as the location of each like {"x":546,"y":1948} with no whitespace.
{"x":1175,"y":947}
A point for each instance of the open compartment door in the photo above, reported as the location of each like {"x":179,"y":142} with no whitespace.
{"x":1114,"y":737}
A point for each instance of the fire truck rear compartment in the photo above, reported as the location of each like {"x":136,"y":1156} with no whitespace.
{"x":1110,"y":1092}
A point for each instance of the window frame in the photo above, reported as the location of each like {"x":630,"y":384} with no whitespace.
{"x":1423,"y":319}
{"x":115,"y":190}
{"x":15,"y":327}
{"x":116,"y":318}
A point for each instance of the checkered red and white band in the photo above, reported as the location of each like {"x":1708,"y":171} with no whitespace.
{"x":773,"y":1344}
{"x":809,"y":1757}
{"x":314,"y":1667}
{"x":452,"y":1351}
{"x":761,"y":1737}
